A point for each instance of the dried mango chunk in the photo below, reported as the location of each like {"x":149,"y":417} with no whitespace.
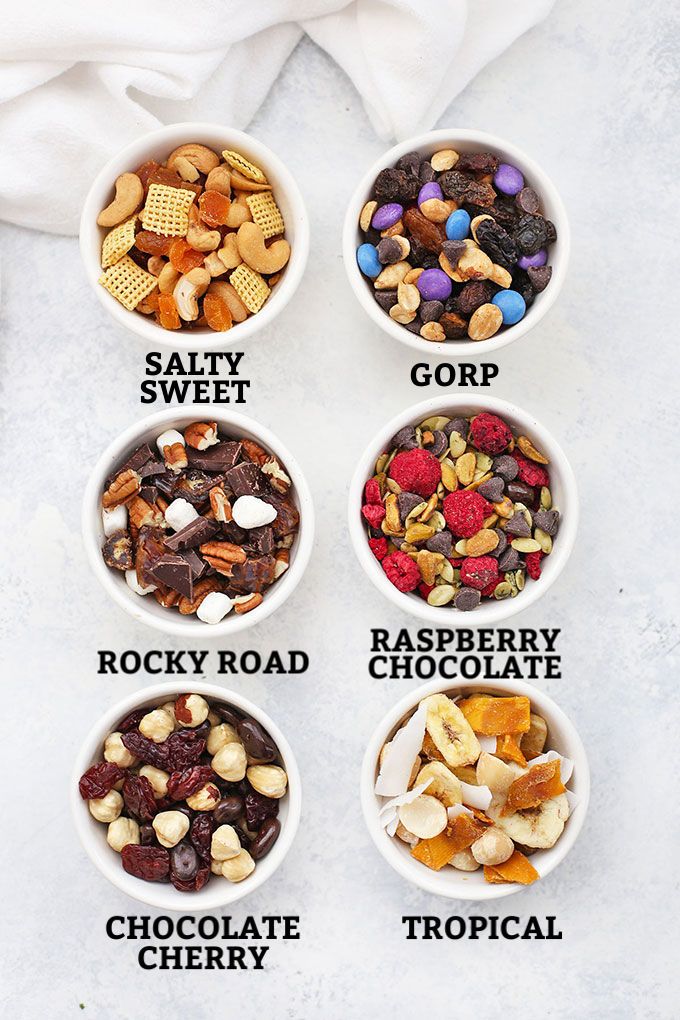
{"x":508,"y":749}
{"x":541,"y":782}
{"x":495,"y":716}
{"x":460,"y":834}
{"x":517,"y":868}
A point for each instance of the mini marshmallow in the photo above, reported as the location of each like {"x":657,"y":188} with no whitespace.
{"x":179,"y":513}
{"x":214,"y":607}
{"x":251,"y":512}
{"x":168,"y":439}
{"x":115,"y":520}
{"x":133,"y":583}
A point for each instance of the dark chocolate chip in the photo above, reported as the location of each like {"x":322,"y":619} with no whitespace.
{"x":385,"y":298}
{"x":493,"y":489}
{"x":539,"y":277}
{"x":466,"y":599}
{"x":245,"y":479}
{"x":509,"y":560}
{"x":547,"y":520}
{"x":439,"y":443}
{"x":520,"y":492}
{"x":459,"y":425}
{"x":527,"y":201}
{"x":506,"y":467}
{"x":442,"y":543}
{"x":389,"y":251}
{"x":453,"y":251}
{"x":502,"y":544}
{"x":517,"y":525}
{"x":404,"y":439}
{"x":430,"y":311}
{"x":117,"y":551}
{"x":406,"y":501}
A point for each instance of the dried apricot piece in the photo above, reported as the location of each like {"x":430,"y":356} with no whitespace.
{"x":145,"y":171}
{"x":168,"y":316}
{"x":507,"y":749}
{"x":214,"y":208}
{"x":517,"y":868}
{"x":496,"y":716}
{"x":162,"y":175}
{"x":152,"y":243}
{"x":541,"y":782}
{"x":217,"y":313}
{"x":183,"y":257}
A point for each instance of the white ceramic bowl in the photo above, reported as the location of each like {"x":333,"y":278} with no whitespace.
{"x":461,"y":140}
{"x":460,"y":885}
{"x":562,"y":487}
{"x":145,"y":608}
{"x":218,"y":892}
{"x":158,"y":145}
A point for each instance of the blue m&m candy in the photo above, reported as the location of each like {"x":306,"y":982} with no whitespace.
{"x":458,"y":225}
{"x":511,"y":304}
{"x":368,"y":261}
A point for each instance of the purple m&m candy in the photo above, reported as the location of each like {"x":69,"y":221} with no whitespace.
{"x":434,"y":285}
{"x":539,"y":259}
{"x":508,"y":179}
{"x":387,"y":215}
{"x":428,"y":191}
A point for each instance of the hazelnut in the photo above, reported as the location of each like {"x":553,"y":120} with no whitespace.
{"x":230,"y":762}
{"x":220,"y":736}
{"x":121,"y":832}
{"x":169,"y":707}
{"x":216,"y":867}
{"x":204,"y":799}
{"x":213,"y":718}
{"x":225,"y":843}
{"x":170,"y":827}
{"x":116,"y":751}
{"x":494,"y":847}
{"x":191,"y":710}
{"x":157,"y":725}
{"x":106,"y":809}
{"x":158,"y":779}
{"x":239,"y":867}
{"x":269,"y":780}
{"x":464,"y":861}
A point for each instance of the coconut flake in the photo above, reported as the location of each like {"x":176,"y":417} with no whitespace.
{"x":476,"y":796}
{"x":572,"y":801}
{"x":486,"y":743}
{"x":391,"y":828}
{"x":566,"y":764}
{"x":400,"y":754}
{"x":404,"y":798}
{"x":458,"y":809}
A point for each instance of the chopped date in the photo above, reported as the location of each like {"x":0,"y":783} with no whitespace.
{"x":99,"y":780}
{"x":152,"y":863}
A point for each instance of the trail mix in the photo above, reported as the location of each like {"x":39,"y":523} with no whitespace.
{"x":204,"y":525}
{"x":467,"y":783}
{"x":188,"y":790}
{"x":455,"y":245}
{"x":460,"y":510}
{"x":195,"y":241}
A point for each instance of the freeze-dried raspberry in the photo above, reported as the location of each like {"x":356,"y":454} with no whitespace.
{"x":533,"y":562}
{"x":479,"y":571}
{"x":402,"y":571}
{"x":491,"y":586}
{"x":416,"y":471}
{"x":530,"y":473}
{"x":489,"y":433}
{"x":373,"y":514}
{"x":372,"y":491}
{"x":464,"y":512}
{"x":378,"y":547}
{"x":425,"y":589}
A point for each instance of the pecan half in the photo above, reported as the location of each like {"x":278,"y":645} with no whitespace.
{"x":200,"y":435}
{"x":142,"y":513}
{"x":245,"y":606}
{"x":175,"y":457}
{"x":222,"y":556}
{"x":254,"y":452}
{"x":220,"y":505}
{"x":168,"y":598}
{"x":278,"y":479}
{"x":123,"y":487}
{"x":188,"y":606}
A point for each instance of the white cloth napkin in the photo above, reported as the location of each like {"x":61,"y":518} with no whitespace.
{"x":79,"y":80}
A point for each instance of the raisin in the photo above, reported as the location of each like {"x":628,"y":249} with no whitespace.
{"x":418,"y":252}
{"x":139,"y":799}
{"x":258,"y":808}
{"x":410,"y":162}
{"x":426,"y":172}
{"x":152,"y":863}
{"x":455,"y":184}
{"x":478,"y":162}
{"x":480,"y":193}
{"x":551,"y":231}
{"x":131,"y":721}
{"x":153,"y":244}
{"x":497,"y":243}
{"x":201,"y":835}
{"x":430,"y":235}
{"x":392,"y":185}
{"x":531,"y":234}
{"x":183,"y":864}
{"x":473,"y":295}
{"x":182,"y":784}
{"x":214,"y":208}
{"x":217,"y":313}
{"x":522,"y":283}
{"x":99,"y":780}
{"x":145,"y":749}
{"x":454,"y":325}
{"x":183,"y":748}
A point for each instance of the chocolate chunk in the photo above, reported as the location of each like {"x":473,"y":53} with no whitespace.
{"x":150,"y":549}
{"x":174,"y":572}
{"x":245,"y":479}
{"x":385,"y":298}
{"x":287,"y":515}
{"x":117,"y":551}
{"x":493,"y":489}
{"x":166,"y":483}
{"x":152,"y":467}
{"x":254,"y":575}
{"x":506,"y":467}
{"x":234,"y":534}
{"x":261,"y":539}
{"x":195,"y":533}
{"x":547,"y":520}
{"x":502,"y":544}
{"x":517,"y":525}
{"x":406,"y":501}
{"x":220,"y":457}
{"x":194,"y":486}
{"x":405,"y":439}
{"x":459,"y":425}
{"x":149,"y":493}
{"x":442,"y":543}
{"x":137,"y":459}
{"x":197,"y":565}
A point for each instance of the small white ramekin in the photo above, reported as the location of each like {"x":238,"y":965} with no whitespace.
{"x":158,"y":145}
{"x":461,"y":885}
{"x":145,"y":608}
{"x":462,"y":140}
{"x":218,"y":892}
{"x":562,"y":487}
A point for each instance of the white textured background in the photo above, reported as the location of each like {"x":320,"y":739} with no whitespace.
{"x":589,"y":95}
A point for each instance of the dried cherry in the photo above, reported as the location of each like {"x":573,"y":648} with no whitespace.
{"x":201,"y":835}
{"x":182,"y":784}
{"x":131,"y":721}
{"x":183,"y":748}
{"x":145,"y":749}
{"x":152,"y":863}
{"x":259,"y":808}
{"x":99,"y":780}
{"x":138,"y":796}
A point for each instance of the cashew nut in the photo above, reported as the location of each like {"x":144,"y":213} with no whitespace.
{"x":224,"y":290}
{"x":251,"y":246}
{"x":238,"y":212}
{"x":167,"y":278}
{"x":214,"y":264}
{"x":185,"y":169}
{"x":198,"y":235}
{"x":229,"y":253}
{"x":187,"y":290}
{"x":155,"y":265}
{"x":200,"y":156}
{"x":219,"y":179}
{"x":129,"y":195}
{"x":245,"y":184}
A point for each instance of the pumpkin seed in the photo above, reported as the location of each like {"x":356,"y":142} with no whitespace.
{"x":441,"y":595}
{"x":544,"y":540}
{"x":436,"y":423}
{"x":520,"y":580}
{"x":457,"y":444}
{"x":461,"y":547}
{"x":502,"y":590}
{"x":546,"y":498}
{"x":525,"y":545}
{"x":446,"y":570}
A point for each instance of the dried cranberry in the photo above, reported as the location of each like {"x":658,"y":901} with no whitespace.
{"x":201,"y":835}
{"x":99,"y":780}
{"x":131,"y":721}
{"x":258,"y":808}
{"x":146,"y":750}
{"x":152,"y":863}
{"x":139,"y":799}
{"x":183,"y":748}
{"x":182,"y":784}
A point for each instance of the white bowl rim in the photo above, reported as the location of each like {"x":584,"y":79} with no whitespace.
{"x":157,"y":894}
{"x":133,"y":604}
{"x":128,"y":158}
{"x":488,"y":613}
{"x":417,"y":873}
{"x":540,"y":181}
